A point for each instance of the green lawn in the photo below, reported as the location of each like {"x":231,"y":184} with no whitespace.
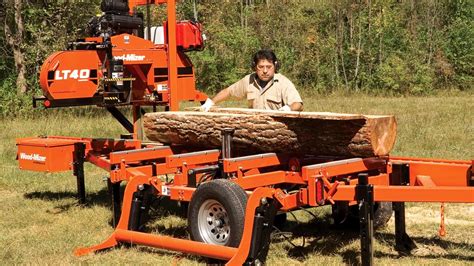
{"x":42,"y":224}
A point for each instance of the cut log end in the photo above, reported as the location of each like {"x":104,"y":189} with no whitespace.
{"x":384,"y":135}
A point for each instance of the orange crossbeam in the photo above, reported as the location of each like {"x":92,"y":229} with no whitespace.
{"x":192,"y":158}
{"x":267,"y":179}
{"x":176,"y":244}
{"x":251,"y":161}
{"x":411,"y":194}
{"x":441,"y":172}
{"x":343,"y":167}
{"x":141,"y":154}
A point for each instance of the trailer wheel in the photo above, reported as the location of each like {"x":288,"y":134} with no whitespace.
{"x":216,"y":213}
{"x":382,"y":214}
{"x":345,"y":215}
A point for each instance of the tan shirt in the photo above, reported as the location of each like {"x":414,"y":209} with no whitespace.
{"x":278,"y":92}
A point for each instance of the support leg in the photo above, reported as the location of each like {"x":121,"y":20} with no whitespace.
{"x":139,"y":209}
{"x":401,"y":177}
{"x":365,"y":199}
{"x":115,"y":195}
{"x":78,"y":170}
{"x":262,"y":228}
{"x":403,"y":242}
{"x":137,"y":123}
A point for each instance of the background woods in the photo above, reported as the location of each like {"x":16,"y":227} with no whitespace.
{"x":378,"y":47}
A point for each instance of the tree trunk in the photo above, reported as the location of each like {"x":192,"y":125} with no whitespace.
{"x":14,"y":40}
{"x":259,"y":131}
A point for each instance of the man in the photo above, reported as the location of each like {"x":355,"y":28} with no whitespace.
{"x":264,"y":89}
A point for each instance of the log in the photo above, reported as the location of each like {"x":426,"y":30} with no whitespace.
{"x":257,"y":131}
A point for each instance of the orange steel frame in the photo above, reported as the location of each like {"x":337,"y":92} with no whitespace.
{"x":319,"y":184}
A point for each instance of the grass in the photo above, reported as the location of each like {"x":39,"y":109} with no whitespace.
{"x":42,"y":224}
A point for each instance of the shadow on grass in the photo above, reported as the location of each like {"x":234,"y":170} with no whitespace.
{"x":101,"y":198}
{"x":159,"y":207}
{"x":429,"y":242}
{"x":327,"y":238}
{"x":98,"y":198}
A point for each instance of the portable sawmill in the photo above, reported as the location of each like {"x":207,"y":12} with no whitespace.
{"x":233,"y":201}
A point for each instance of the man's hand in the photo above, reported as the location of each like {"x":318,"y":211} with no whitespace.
{"x":207,"y":105}
{"x":285,"y":108}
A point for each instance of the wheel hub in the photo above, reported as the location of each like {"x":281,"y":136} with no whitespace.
{"x":213,"y":223}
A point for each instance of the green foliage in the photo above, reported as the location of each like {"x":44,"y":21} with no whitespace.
{"x":12,"y":104}
{"x":221,"y":56}
{"x":380,"y":47}
{"x":409,"y":47}
{"x":459,"y":47}
{"x":48,"y":26}
{"x":398,"y":77}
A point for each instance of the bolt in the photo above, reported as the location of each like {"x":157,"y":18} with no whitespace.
{"x":263,"y":201}
{"x":141,"y":187}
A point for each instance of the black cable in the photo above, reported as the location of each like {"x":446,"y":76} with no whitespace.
{"x":286,"y":238}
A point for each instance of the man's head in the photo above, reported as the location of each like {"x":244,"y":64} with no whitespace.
{"x":265,"y":64}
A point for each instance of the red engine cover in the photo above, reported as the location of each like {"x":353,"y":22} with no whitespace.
{"x":70,"y":75}
{"x":188,"y":35}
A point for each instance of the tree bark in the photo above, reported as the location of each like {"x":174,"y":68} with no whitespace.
{"x":257,"y":131}
{"x":14,"y":40}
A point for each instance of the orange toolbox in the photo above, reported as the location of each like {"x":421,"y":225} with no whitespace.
{"x":45,"y":154}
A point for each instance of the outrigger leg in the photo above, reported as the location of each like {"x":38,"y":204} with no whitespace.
{"x":365,"y":200}
{"x":403,"y":242}
{"x":114,"y":192}
{"x":253,"y":248}
{"x":78,"y":170}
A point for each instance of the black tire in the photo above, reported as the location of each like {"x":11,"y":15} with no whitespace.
{"x":348,"y":216}
{"x":216,"y":213}
{"x":382,"y":214}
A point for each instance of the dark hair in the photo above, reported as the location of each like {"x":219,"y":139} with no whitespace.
{"x":265,"y":54}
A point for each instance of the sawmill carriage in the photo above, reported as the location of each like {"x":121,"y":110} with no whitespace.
{"x":233,"y":190}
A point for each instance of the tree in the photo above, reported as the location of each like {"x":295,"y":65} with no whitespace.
{"x":14,"y":36}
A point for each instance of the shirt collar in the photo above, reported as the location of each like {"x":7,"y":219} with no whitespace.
{"x":254,"y":78}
